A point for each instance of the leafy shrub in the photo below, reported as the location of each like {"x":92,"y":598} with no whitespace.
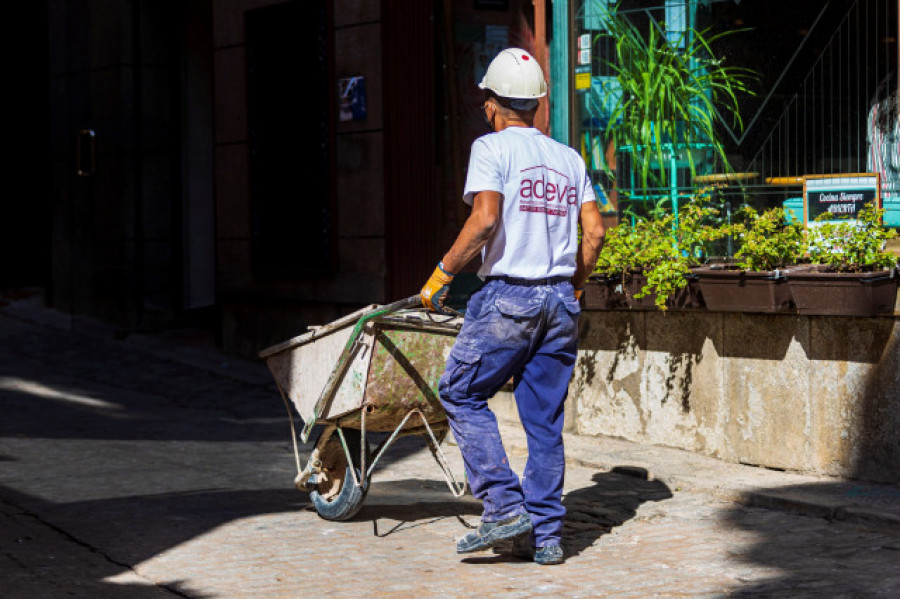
{"x":663,"y":249}
{"x":765,"y":241}
{"x":851,"y":246}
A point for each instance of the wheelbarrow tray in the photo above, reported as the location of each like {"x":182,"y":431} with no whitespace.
{"x":393,"y":368}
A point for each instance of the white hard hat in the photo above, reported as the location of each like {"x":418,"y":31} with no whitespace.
{"x":514,"y":73}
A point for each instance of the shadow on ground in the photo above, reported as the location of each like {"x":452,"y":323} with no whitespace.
{"x":397,"y":506}
{"x":594,"y":511}
{"x":810,"y":557}
{"x":613,"y":500}
{"x":124,"y":455}
{"x":82,"y":544}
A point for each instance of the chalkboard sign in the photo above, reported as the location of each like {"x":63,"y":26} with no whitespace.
{"x":841,"y":196}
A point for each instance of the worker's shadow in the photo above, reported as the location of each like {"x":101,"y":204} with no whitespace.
{"x":613,"y":500}
{"x":398,"y":506}
{"x":594,"y":511}
{"x":591,"y":512}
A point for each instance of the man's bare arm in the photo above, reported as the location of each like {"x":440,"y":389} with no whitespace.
{"x":593,"y":233}
{"x":477,"y":230}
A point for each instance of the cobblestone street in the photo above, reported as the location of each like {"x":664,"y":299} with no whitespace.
{"x":156,"y":466}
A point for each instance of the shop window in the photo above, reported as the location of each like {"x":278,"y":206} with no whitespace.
{"x":824,"y":68}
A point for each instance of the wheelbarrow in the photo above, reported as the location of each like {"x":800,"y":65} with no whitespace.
{"x":375,"y":370}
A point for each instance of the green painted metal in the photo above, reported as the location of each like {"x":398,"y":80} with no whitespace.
{"x":344,"y":360}
{"x":560,"y":73}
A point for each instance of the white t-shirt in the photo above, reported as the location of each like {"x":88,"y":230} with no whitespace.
{"x":543,"y":184}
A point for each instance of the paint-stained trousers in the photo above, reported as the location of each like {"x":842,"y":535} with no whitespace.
{"x":526,"y":332}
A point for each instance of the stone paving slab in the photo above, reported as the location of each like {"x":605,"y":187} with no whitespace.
{"x":37,"y":560}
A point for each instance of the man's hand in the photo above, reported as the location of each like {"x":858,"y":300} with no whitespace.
{"x":434,"y":293}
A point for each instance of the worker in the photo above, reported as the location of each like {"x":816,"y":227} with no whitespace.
{"x":528,"y":194}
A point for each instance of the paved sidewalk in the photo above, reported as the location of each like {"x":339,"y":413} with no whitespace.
{"x":871,"y":504}
{"x":156,"y":466}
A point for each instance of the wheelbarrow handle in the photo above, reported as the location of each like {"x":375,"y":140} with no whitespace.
{"x":410,"y":302}
{"x":413,"y":301}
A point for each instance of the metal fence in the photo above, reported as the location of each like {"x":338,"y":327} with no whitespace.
{"x":842,"y":116}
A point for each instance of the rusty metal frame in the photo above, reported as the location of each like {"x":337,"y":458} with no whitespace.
{"x":366,"y":470}
{"x":456,"y":488}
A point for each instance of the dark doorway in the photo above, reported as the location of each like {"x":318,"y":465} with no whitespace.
{"x":25,"y":221}
{"x":290,"y":123}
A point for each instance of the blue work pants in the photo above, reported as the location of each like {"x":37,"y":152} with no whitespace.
{"x":527,"y":333}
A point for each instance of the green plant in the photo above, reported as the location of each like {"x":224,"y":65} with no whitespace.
{"x":667,"y":95}
{"x":851,"y":245}
{"x":663,"y":249}
{"x":765,"y":241}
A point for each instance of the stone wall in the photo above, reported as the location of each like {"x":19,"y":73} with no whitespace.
{"x":812,"y":394}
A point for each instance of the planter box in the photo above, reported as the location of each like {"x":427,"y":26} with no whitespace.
{"x":631,"y":287}
{"x":687,"y":298}
{"x":733,"y":290}
{"x":602,"y":292}
{"x":844,"y":294}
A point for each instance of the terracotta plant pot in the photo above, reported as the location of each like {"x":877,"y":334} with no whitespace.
{"x":734,"y":290}
{"x":819,"y":292}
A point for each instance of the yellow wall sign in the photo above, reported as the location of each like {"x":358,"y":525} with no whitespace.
{"x":582,"y":81}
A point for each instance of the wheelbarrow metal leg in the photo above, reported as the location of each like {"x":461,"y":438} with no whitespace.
{"x":456,"y":488}
{"x":357,"y":480}
{"x":383,"y":446}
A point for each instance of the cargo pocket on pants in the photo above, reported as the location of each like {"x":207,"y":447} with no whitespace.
{"x":462,"y":365}
{"x":516,"y":320}
{"x":518,"y":308}
{"x":572,"y":306}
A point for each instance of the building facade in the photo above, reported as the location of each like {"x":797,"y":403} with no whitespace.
{"x":254,"y":167}
{"x":258,"y":166}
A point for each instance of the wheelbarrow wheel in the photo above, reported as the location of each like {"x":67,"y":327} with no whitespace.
{"x":336,"y":495}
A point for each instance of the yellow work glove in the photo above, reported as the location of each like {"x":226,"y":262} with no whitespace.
{"x":578,"y":293}
{"x":435,"y":290}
